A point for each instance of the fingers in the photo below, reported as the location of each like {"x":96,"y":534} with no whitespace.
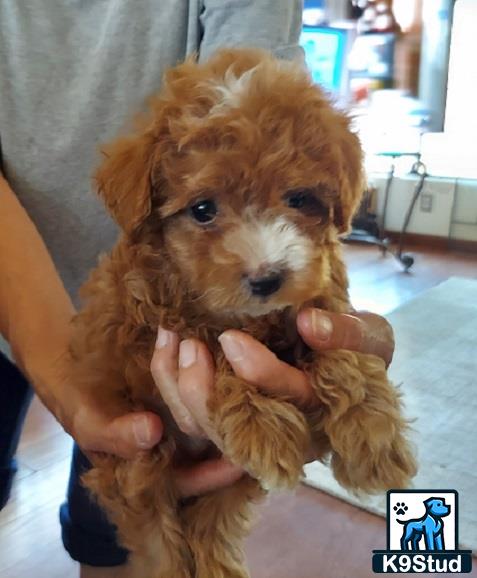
{"x":206,"y":477}
{"x":123,"y":436}
{"x":165,"y":373}
{"x":195,"y":383}
{"x":190,"y":369}
{"x":256,"y":364}
{"x":364,"y":332}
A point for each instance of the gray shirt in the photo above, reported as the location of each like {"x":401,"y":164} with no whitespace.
{"x":72,"y":72}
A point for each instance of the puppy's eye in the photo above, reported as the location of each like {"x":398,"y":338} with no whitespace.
{"x":305,"y":201}
{"x":204,"y":211}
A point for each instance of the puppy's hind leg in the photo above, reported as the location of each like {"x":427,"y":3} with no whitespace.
{"x":216,"y":525}
{"x":139,"y":498}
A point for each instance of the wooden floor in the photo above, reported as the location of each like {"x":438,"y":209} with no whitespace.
{"x":307,"y":534}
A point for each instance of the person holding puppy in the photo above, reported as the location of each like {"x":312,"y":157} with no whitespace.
{"x":108,"y":57}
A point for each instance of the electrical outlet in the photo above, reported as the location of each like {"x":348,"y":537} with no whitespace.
{"x":426,"y":203}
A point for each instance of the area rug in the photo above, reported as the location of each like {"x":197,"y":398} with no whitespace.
{"x":436,"y":364}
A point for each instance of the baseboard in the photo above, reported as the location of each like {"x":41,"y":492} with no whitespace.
{"x":434,"y":241}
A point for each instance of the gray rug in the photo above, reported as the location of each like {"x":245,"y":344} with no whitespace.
{"x":436,"y":363}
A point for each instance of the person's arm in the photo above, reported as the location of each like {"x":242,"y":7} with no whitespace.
{"x":274,"y":25}
{"x":35,"y":309}
{"x":35,"y":314}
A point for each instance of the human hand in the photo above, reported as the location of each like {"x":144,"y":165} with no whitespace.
{"x":184,"y":373}
{"x":96,"y":427}
{"x":126,"y":435}
{"x":252,"y":361}
{"x":107,"y":428}
{"x":111,"y":431}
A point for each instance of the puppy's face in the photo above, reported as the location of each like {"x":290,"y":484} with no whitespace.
{"x":247,"y":175}
{"x":249,"y":243}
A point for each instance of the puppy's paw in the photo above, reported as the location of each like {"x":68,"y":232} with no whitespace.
{"x":267,"y":438}
{"x":373,"y":459}
{"x":362,"y":418}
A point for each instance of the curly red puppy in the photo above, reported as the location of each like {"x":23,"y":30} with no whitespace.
{"x":232,"y":196}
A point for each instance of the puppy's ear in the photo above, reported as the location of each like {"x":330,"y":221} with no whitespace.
{"x":124,"y":179}
{"x":351,"y":181}
{"x":325,"y":135}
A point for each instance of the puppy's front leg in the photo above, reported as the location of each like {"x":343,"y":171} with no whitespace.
{"x":269,"y":438}
{"x":361,"y":416}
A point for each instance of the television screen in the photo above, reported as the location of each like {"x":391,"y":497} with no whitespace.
{"x":325,"y":55}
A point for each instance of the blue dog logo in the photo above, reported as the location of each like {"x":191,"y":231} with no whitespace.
{"x":430,"y":527}
{"x":416,"y":545}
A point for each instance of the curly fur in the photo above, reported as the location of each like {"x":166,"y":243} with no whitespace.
{"x":243,"y":129}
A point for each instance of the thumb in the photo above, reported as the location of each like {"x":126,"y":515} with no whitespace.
{"x":362,"y":331}
{"x":123,"y":436}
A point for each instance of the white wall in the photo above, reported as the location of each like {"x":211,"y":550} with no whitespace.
{"x":464,"y":224}
{"x":453,"y":207}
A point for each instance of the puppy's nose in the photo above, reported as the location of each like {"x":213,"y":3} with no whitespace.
{"x":265,"y":286}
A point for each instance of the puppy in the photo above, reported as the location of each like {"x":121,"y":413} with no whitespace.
{"x":231,"y":195}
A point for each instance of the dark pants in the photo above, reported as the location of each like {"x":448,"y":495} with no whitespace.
{"x":87,"y":535}
{"x":15,"y":397}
